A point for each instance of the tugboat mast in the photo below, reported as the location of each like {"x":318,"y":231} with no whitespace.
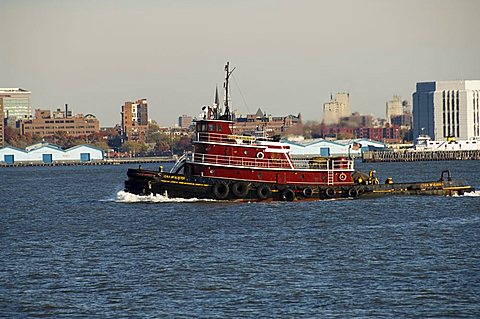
{"x":227,"y":114}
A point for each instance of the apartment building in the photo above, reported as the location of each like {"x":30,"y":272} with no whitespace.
{"x":134,"y":120}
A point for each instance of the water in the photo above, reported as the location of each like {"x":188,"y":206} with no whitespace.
{"x":73,"y":245}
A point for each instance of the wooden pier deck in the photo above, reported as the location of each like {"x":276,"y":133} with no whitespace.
{"x":110,"y":161}
{"x":416,"y":156}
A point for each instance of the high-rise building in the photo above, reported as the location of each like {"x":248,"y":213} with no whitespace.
{"x":185,"y":121}
{"x":407,"y":107}
{"x":337,"y":108}
{"x":142,"y":110}
{"x":135,"y":120}
{"x":394,"y":108}
{"x":445,"y":109}
{"x":16,"y":103}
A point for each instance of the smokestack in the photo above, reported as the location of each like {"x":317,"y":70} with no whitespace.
{"x":66,"y":110}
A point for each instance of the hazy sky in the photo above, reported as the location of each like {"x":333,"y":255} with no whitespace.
{"x":289,"y":55}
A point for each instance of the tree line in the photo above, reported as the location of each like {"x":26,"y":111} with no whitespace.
{"x":158,"y":142}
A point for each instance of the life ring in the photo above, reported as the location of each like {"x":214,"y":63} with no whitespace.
{"x":352,"y":192}
{"x":221,"y":190}
{"x":240,"y":189}
{"x":342,"y":176}
{"x":263,"y":192}
{"x":288,"y":195}
{"x":330,"y":192}
{"x":307,"y":192}
{"x":260,"y":155}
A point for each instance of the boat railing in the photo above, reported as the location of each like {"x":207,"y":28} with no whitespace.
{"x":324,"y":164}
{"x":225,"y":138}
{"x":178,"y":163}
{"x":239,"y":161}
{"x":327,"y":165}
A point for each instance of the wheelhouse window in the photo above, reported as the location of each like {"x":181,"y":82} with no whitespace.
{"x":201,"y":127}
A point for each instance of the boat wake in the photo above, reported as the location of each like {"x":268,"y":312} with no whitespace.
{"x":471,"y":194}
{"x":125,"y":197}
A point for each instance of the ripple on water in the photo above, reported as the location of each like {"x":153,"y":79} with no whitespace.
{"x":81,"y":248}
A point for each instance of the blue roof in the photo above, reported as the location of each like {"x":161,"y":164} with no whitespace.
{"x":52,"y":146}
{"x":13,"y":148}
{"x":316,"y":141}
{"x":84,"y":145}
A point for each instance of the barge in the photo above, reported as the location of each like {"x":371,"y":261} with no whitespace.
{"x":225,"y":166}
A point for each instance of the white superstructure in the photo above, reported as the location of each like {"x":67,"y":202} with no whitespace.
{"x":425,"y":143}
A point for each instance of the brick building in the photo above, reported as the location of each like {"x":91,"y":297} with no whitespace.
{"x":261,"y":122}
{"x":389,"y":133}
{"x":46,"y":124}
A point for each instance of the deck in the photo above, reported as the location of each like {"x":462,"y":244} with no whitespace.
{"x":416,"y":156}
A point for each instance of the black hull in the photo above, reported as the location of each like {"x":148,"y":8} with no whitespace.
{"x":144,"y":182}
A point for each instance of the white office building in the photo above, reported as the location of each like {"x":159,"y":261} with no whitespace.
{"x":337,"y":108}
{"x":445,"y":109}
{"x":394,"y":108}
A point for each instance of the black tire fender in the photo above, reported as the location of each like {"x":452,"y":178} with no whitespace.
{"x":307,"y":192}
{"x":221,"y":190}
{"x":288,"y":195}
{"x":240,"y":189}
{"x":353,"y":192}
{"x":263,"y":192}
{"x":330,"y":192}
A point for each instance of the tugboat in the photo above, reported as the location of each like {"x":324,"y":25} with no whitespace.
{"x":225,"y":166}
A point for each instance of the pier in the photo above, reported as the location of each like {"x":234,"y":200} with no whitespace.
{"x":417,"y":156}
{"x":107,"y":161}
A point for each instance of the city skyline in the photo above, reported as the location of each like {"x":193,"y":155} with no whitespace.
{"x":289,"y":57}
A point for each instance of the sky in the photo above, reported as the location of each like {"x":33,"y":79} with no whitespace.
{"x":289,"y":55}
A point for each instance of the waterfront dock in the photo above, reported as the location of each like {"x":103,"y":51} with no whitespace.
{"x":107,"y":161}
{"x":417,"y":156}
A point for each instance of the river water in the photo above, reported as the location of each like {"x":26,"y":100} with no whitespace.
{"x":74,"y":245}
